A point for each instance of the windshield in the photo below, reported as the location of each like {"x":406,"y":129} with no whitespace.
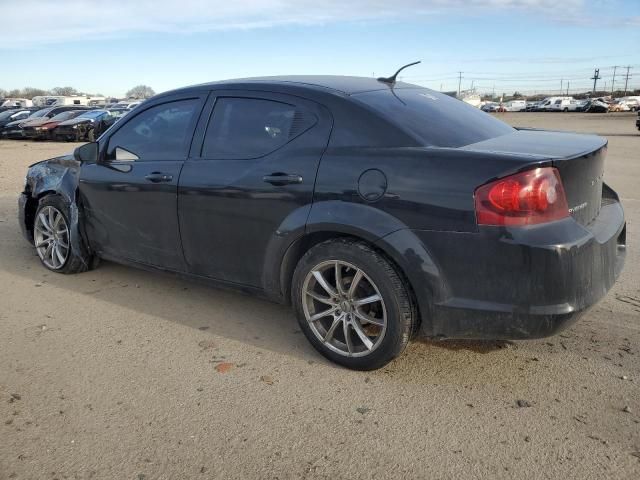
{"x":7,"y":114}
{"x":434,"y":118}
{"x":93,"y":114}
{"x":40,"y":113}
{"x":65,"y":115}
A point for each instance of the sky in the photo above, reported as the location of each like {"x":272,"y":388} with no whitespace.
{"x":507,"y":45}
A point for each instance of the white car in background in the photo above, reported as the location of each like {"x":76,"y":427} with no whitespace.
{"x":515,"y":106}
{"x":562,"y":104}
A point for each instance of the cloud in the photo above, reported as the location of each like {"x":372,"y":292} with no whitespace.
{"x":37,"y":22}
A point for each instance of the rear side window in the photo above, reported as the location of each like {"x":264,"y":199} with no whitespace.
{"x":243,"y":128}
{"x":162,"y":132}
{"x":434,"y":118}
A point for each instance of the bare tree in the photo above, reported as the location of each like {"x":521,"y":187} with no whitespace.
{"x":3,"y":93}
{"x":140,"y":92}
{"x":64,"y":91}
{"x":30,"y":92}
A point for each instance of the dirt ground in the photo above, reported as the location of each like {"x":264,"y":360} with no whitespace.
{"x":123,"y":374}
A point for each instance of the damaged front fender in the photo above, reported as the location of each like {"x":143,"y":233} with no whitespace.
{"x":57,"y":176}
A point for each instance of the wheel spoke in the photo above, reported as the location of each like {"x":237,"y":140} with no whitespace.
{"x":363,"y":336}
{"x":59,"y":254}
{"x":44,"y":242}
{"x":63,"y":244}
{"x":51,"y":218}
{"x":364,"y":301}
{"x":323,"y":283}
{"x":45,"y":223}
{"x":339,"y":284}
{"x":56,"y":222}
{"x":320,"y":298}
{"x":318,"y":316}
{"x":354,"y":283}
{"x":347,"y":337}
{"x":332,"y":329}
{"x":368,"y":319}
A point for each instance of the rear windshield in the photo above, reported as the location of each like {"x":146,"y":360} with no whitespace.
{"x":93,"y":114}
{"x":434,"y":118}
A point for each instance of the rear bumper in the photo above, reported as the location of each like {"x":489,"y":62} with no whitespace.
{"x":526,"y":282}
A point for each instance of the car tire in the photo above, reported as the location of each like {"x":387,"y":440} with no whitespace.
{"x":357,"y":335}
{"x":53,"y":238}
{"x":566,"y":110}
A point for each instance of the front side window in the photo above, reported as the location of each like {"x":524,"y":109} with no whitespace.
{"x":250,"y":128}
{"x":162,"y":132}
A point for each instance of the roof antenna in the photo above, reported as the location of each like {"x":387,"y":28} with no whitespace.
{"x":392,"y":79}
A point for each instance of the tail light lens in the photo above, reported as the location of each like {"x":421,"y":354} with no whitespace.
{"x":526,"y":198}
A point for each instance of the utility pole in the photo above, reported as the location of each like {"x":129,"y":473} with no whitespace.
{"x":626,"y":81}
{"x":459,"y":82}
{"x":561,"y":89}
{"x":595,"y":78}
{"x":613,"y":80}
{"x":567,"y":88}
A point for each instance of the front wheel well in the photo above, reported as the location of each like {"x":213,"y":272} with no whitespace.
{"x":31,"y":207}
{"x":306,"y":243}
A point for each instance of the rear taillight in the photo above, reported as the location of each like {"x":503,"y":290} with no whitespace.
{"x":526,"y":198}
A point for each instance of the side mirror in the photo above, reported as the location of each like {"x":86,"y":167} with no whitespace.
{"x":87,"y":153}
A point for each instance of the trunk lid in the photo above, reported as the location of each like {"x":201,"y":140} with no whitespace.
{"x":579,"y":159}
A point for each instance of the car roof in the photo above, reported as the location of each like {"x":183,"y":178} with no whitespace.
{"x":339,"y":84}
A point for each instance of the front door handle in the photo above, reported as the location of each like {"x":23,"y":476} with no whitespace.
{"x":158,"y":177}
{"x":278,"y":179}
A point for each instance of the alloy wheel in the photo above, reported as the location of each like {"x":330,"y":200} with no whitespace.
{"x":51,"y":236}
{"x":344,"y":308}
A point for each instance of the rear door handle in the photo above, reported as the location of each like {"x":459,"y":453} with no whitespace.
{"x":158,"y":177}
{"x":279,"y":179}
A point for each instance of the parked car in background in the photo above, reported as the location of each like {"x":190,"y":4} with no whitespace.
{"x":490,"y":107}
{"x":532,"y":106}
{"x":515,"y":106}
{"x":638,"y":121}
{"x":42,"y":129}
{"x":596,"y":106}
{"x":345,"y":197}
{"x":633,"y":102}
{"x":619,"y":106}
{"x":561,"y":104}
{"x":14,"y":129}
{"x":88,"y":126}
{"x":127,"y":105}
{"x":14,"y":115}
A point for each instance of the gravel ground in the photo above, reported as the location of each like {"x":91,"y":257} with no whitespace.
{"x":123,"y":374}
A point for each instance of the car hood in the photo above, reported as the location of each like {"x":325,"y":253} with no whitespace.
{"x":15,"y":123}
{"x":35,"y":122}
{"x":75,"y":121}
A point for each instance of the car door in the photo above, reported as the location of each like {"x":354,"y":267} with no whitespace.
{"x":255,"y":169}
{"x":130,"y":196}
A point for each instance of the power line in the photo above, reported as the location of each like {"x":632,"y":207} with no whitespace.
{"x":626,"y":80}
{"x":595,"y":78}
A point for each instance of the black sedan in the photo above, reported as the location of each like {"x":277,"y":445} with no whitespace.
{"x":14,"y":115}
{"x":88,"y":126}
{"x":379,"y":209}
